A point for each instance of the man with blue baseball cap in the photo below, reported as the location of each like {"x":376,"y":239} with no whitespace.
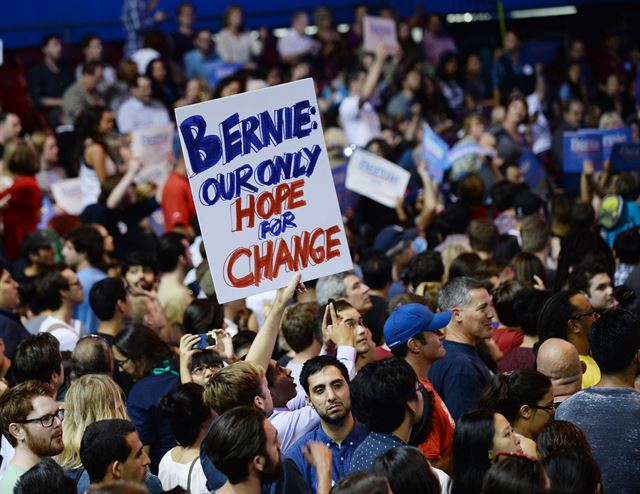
{"x":415,"y":334}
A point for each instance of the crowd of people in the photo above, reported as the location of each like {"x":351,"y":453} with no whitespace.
{"x":487,"y":340}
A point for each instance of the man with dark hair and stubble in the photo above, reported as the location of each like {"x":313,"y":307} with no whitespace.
{"x":608,"y":412}
{"x":326,"y":382}
{"x":83,"y":250}
{"x":111,"y":303}
{"x":39,"y":359}
{"x":244,"y":446}
{"x":592,"y":277}
{"x":111,"y":450}
{"x":460,"y":376}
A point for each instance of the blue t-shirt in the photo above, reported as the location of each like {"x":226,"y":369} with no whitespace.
{"x":610,"y":417}
{"x":341,"y":454}
{"x":374,"y":445}
{"x":629,"y":218}
{"x":459,"y":377}
{"x":152,"y":426}
{"x":83,"y":312}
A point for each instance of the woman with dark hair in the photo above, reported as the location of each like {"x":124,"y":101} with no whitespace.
{"x":20,"y":201}
{"x":513,"y":474}
{"x":162,"y":88}
{"x":362,"y":483}
{"x":203,"y":315}
{"x":92,"y":157}
{"x":525,"y":398}
{"x":527,"y":267}
{"x":190,"y":419}
{"x":448,"y":77}
{"x":510,"y":143}
{"x":480,"y":434}
{"x":573,"y":470}
{"x":139,"y":351}
{"x":408,"y":471}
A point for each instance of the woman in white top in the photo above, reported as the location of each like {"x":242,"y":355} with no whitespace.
{"x":92,"y":152}
{"x":190,"y":419}
{"x":234,"y":44}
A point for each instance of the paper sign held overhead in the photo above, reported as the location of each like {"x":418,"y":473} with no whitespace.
{"x":376,"y":178}
{"x":260,"y":176}
{"x":379,"y":31}
{"x":154,"y":148}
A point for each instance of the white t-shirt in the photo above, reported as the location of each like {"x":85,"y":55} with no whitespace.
{"x":360,"y":123}
{"x":173,"y":474}
{"x":68,"y":336}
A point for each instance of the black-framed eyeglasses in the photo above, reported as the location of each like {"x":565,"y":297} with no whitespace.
{"x":46,"y":421}
{"x":550,"y":407}
{"x":121,"y":363}
{"x":201,"y":369}
{"x":591,"y":313}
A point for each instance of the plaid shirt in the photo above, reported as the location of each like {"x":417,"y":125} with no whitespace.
{"x":136,"y":19}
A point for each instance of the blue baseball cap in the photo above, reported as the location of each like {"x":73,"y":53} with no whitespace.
{"x":410,"y":320}
{"x":392,"y":239}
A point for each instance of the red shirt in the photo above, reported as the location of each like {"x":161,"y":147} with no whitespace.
{"x":507,"y":339}
{"x":177,"y":202}
{"x":22,"y":213}
{"x":440,"y":439}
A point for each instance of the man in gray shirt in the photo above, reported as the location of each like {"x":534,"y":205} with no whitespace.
{"x":609,"y":413}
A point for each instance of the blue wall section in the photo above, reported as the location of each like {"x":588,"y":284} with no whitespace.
{"x":23,"y":22}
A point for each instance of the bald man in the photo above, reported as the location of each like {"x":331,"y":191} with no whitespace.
{"x":559,"y":361}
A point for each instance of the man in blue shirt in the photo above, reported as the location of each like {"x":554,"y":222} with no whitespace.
{"x":326,"y":382}
{"x":388,"y":400}
{"x":460,"y":376}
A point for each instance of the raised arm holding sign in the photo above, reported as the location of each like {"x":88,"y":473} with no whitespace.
{"x":260,"y":176}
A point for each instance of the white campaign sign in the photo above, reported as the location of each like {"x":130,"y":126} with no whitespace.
{"x":376,"y":178}
{"x":68,"y":195}
{"x":153,"y":147}
{"x":260,"y":177}
{"x":379,"y":31}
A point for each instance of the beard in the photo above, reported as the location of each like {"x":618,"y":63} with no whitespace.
{"x":44,"y":447}
{"x":272,"y":470}
{"x":335,"y":418}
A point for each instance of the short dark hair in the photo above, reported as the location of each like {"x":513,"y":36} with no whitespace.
{"x":581,"y":275}
{"x":457,"y":217}
{"x":527,"y":304}
{"x":186,"y":411}
{"x":45,"y":476}
{"x":504,"y":194}
{"x":139,"y":258}
{"x":86,"y":40}
{"x":234,"y":440}
{"x":483,"y":235}
{"x":503,"y":299}
{"x":202,"y":315}
{"x":104,"y":442}
{"x":89,"y":68}
{"x":44,"y":41}
{"x":555,"y":315}
{"x":615,"y":340}
{"x":36,"y":358}
{"x":48,"y":288}
{"x":627,"y":246}
{"x":87,"y":240}
{"x":380,"y":393}
{"x":376,"y":270}
{"x":507,"y":392}
{"x":626,"y":184}
{"x":361,"y":483}
{"x":298,"y":325}
{"x":513,"y":474}
{"x":170,"y":248}
{"x":466,"y":264}
{"x":316,"y":364}
{"x":105,"y":295}
{"x":426,"y":266}
{"x":558,"y":434}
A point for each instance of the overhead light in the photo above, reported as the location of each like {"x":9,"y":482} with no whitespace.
{"x":544,"y":12}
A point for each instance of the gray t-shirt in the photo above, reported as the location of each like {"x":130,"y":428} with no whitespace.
{"x":610,"y":417}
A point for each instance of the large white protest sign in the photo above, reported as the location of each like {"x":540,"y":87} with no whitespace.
{"x":68,"y":195}
{"x":153,"y":147}
{"x":260,"y":176}
{"x":376,"y":178}
{"x":379,"y":31}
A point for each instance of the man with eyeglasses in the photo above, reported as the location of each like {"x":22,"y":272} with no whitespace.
{"x":32,"y":422}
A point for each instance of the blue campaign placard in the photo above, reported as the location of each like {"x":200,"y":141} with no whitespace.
{"x":534,"y":173}
{"x":611,"y":137}
{"x":625,"y":157}
{"x":581,"y":146}
{"x":435,"y":152}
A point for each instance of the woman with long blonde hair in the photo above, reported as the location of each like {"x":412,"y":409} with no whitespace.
{"x":90,"y":398}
